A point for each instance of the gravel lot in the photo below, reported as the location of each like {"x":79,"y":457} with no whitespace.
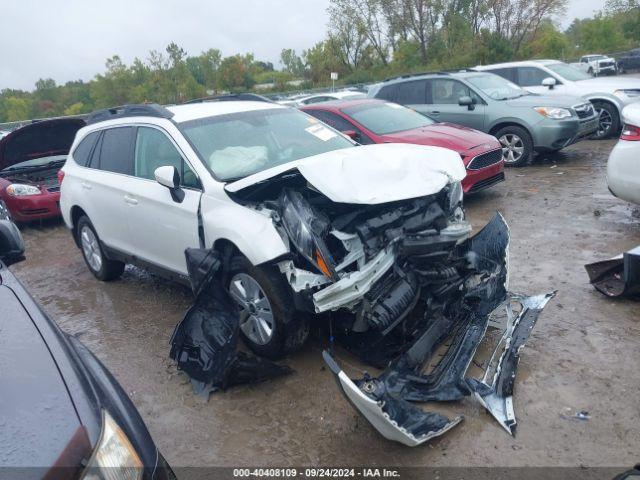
{"x":583,"y":355}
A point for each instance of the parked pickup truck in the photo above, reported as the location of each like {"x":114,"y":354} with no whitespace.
{"x":629,"y":61}
{"x":597,"y":65}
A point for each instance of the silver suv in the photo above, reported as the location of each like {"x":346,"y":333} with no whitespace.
{"x":523,"y":122}
{"x":555,"y":78}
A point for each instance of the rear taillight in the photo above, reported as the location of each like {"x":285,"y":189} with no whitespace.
{"x":60,"y":177}
{"x":630,"y":132}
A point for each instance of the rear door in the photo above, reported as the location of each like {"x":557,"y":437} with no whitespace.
{"x":162,"y":227}
{"x":105,"y":184}
{"x":443,"y":95}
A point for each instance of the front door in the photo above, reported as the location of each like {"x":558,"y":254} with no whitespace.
{"x":161,"y":226}
{"x":443,"y":96}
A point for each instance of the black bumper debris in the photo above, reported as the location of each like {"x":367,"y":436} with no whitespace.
{"x":204,"y":343}
{"x":618,"y":277}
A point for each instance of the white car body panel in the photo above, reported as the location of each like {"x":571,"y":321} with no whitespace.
{"x":590,"y":89}
{"x":373,"y":174}
{"x":149,"y":225}
{"x":623,"y":167}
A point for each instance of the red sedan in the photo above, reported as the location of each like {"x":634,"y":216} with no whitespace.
{"x":30,"y":158}
{"x":375,"y":121}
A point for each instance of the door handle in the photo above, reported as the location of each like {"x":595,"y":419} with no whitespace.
{"x":130,"y":200}
{"x":86,"y":185}
{"x":434,"y":112}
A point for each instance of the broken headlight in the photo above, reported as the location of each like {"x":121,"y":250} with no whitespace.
{"x":114,"y":456}
{"x":455,"y":196}
{"x":306,"y":230}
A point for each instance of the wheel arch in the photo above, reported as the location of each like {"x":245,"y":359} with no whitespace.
{"x":509,"y":123}
{"x":76,"y":213}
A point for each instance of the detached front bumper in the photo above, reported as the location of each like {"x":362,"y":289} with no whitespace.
{"x":457,"y":326}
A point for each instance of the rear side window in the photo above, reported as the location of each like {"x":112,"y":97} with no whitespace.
{"x":82,"y":153}
{"x":508,"y":73}
{"x":531,"y":76}
{"x":116,"y":151}
{"x":405,"y":93}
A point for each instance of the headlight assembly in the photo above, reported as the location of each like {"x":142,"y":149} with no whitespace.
{"x":631,"y":93}
{"x":114,"y":458}
{"x":553,"y":112}
{"x":306,"y":230}
{"x":22,"y":190}
{"x":455,"y":196}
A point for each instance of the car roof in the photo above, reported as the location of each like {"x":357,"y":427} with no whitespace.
{"x":341,"y":104}
{"x":522,"y":63}
{"x":195,"y":111}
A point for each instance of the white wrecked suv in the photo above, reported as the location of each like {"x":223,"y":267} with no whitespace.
{"x":303,"y":218}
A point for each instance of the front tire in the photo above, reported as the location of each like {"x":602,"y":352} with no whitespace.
{"x":93,"y":254}
{"x":269,"y":323}
{"x":608,"y":122}
{"x":517,"y":146}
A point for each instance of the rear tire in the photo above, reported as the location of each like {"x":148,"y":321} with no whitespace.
{"x":609,"y":121}
{"x":517,"y":146}
{"x":269,"y":323}
{"x":93,"y":254}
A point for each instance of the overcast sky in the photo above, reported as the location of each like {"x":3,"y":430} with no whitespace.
{"x":71,"y":39}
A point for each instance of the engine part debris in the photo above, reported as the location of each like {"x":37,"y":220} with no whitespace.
{"x":617,"y":277}
{"x":204,"y":343}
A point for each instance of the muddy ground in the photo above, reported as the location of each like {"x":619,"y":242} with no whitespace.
{"x":583,"y":355}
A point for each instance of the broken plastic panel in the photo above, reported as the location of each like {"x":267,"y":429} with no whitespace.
{"x":618,"y":277}
{"x":495,"y":390}
{"x":205,"y":342}
{"x":393,"y":417}
{"x":457,"y":318}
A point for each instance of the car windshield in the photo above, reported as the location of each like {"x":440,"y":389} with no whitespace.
{"x":239,"y":144}
{"x":37,"y":162}
{"x":568,"y":72}
{"x":497,"y":87}
{"x":386,"y":118}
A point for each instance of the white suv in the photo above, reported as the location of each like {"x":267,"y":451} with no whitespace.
{"x":553,"y":77}
{"x":303,"y":217}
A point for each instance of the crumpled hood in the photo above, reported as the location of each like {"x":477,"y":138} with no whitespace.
{"x":372,"y":174}
{"x":39,"y":139}
{"x":446,"y":135}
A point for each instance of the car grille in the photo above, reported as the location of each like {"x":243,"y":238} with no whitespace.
{"x":605,"y":64}
{"x":487,"y":182}
{"x":584,"y":110}
{"x":485,"y":160}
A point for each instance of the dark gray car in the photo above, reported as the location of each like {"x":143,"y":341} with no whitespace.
{"x":523,"y":122}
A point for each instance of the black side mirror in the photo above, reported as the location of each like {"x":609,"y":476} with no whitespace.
{"x":11,"y":243}
{"x":466,"y":101}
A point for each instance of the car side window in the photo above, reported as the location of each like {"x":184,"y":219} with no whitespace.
{"x":82,"y":153}
{"x":153,"y":150}
{"x":341,"y":124}
{"x":115,"y":150}
{"x":531,"y":76}
{"x":507,"y":73}
{"x":446,"y":91}
{"x":411,"y":93}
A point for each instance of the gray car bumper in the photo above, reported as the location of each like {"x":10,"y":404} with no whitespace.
{"x":556,"y":134}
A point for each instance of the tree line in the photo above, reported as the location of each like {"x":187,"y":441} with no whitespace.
{"x":366,"y":40}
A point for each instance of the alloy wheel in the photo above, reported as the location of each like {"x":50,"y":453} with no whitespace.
{"x":91,"y":248}
{"x":256,"y":314}
{"x":604,"y":123}
{"x":512,"y":147}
